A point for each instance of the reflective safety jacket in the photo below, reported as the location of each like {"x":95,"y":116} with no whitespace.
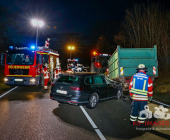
{"x":57,"y":71}
{"x":45,"y":73}
{"x":141,"y":86}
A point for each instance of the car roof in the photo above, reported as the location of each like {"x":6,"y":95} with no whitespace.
{"x":82,"y":74}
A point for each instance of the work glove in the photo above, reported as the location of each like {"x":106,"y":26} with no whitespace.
{"x":131,"y":98}
{"x":150,"y":98}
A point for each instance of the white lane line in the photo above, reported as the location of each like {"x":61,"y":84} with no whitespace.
{"x":161,"y":103}
{"x":8,"y":91}
{"x":100,"y":134}
{"x":93,"y":124}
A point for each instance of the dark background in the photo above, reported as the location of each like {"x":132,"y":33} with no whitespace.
{"x":78,"y":23}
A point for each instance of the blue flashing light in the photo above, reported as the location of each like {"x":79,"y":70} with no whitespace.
{"x":32,"y":47}
{"x":11,"y":47}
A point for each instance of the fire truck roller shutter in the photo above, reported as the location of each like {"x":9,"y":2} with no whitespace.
{"x":57,"y":61}
{"x":54,"y":60}
{"x":51,"y":68}
{"x":46,"y":59}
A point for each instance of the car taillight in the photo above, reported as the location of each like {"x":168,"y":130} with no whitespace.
{"x":52,"y":84}
{"x":77,"y":88}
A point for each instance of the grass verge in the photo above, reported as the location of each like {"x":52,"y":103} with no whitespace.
{"x":161,"y":88}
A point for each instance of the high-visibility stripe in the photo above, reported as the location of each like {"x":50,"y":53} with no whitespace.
{"x":37,"y":75}
{"x":21,"y":75}
{"x":139,"y":90}
{"x":133,"y":82}
{"x":150,"y":92}
{"x":143,"y":99}
{"x":141,"y":118}
{"x":149,"y":85}
{"x":46,"y":77}
{"x":42,"y":53}
{"x":134,"y":117}
{"x":135,"y":91}
{"x":121,"y":71}
{"x":144,"y":85}
{"x":132,"y":120}
{"x":140,"y":94}
{"x":154,"y":70}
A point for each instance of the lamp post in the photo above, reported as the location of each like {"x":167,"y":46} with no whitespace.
{"x":70,"y":48}
{"x":38,"y":24}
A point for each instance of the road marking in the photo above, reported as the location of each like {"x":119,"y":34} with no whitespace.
{"x":8,"y":91}
{"x":161,"y":103}
{"x":93,"y":124}
{"x":100,"y":134}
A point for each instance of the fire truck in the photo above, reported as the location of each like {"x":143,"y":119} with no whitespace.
{"x":24,"y":65}
{"x":99,"y":62}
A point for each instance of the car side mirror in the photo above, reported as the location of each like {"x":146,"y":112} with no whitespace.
{"x":3,"y":59}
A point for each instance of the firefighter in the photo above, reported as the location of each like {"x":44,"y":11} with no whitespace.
{"x":47,"y":43}
{"x":57,"y":71}
{"x":140,"y":90}
{"x":46,"y":77}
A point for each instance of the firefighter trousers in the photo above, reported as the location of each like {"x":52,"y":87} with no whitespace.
{"x":136,"y":108}
{"x":45,"y":83}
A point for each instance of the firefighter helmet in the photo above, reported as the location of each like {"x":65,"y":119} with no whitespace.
{"x":141,"y":67}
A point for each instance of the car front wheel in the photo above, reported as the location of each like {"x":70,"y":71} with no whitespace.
{"x":92,"y":101}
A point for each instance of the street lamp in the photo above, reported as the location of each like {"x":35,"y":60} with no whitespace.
{"x":38,"y":24}
{"x":70,"y":48}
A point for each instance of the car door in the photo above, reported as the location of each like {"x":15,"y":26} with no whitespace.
{"x":112,"y":87}
{"x":101,"y":86}
{"x":38,"y":63}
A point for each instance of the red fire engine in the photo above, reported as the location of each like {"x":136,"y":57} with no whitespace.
{"x":30,"y":66}
{"x":99,"y":62}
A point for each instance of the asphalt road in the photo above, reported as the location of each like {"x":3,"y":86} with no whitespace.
{"x":27,"y":113}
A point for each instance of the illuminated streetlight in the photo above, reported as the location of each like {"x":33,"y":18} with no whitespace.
{"x":70,"y":48}
{"x":38,"y":24}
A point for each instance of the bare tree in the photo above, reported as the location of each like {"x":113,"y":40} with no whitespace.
{"x":148,"y":25}
{"x":7,"y":29}
{"x":103,"y":45}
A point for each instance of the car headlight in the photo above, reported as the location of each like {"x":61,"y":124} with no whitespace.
{"x":32,"y":80}
{"x":5,"y":79}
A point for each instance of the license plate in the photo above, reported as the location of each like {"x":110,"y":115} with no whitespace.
{"x":62,"y":91}
{"x":19,"y":80}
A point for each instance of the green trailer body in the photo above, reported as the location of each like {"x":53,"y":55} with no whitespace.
{"x":124,"y":61}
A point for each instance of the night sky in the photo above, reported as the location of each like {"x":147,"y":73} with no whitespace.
{"x":80,"y":20}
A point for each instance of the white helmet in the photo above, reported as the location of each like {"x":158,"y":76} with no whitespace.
{"x":141,"y":67}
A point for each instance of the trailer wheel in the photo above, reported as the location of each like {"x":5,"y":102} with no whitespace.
{"x":41,"y":82}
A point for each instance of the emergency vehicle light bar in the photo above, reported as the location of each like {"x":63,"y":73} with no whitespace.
{"x":21,"y":48}
{"x":105,"y":54}
{"x":11,"y":47}
{"x":33,"y":47}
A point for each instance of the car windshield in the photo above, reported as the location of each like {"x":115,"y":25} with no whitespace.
{"x":68,"y":79}
{"x":102,"y":58}
{"x":73,"y":62}
{"x":20,"y":58}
